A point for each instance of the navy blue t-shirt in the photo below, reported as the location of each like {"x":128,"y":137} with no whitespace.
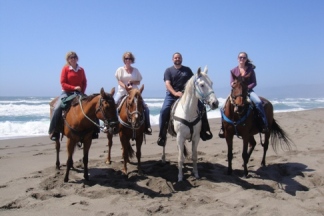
{"x":178,"y":77}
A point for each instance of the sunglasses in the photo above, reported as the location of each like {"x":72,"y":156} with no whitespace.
{"x":73,"y":57}
{"x":128,"y":59}
{"x":242,"y":57}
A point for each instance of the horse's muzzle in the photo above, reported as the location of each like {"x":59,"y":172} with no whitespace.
{"x":214,"y":105}
{"x":113,"y":128}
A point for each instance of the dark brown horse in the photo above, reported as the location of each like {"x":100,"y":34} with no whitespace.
{"x":131,"y":127}
{"x":239,"y":117}
{"x":80,"y":122}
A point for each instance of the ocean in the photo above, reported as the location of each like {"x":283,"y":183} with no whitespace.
{"x":22,"y":117}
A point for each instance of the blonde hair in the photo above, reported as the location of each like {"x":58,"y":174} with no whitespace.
{"x":69,"y":54}
{"x":131,"y":56}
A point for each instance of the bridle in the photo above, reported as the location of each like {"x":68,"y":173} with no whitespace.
{"x":108,"y":122}
{"x":202,"y":95}
{"x":138,"y":115}
{"x":242,"y":95}
{"x":135,"y":112}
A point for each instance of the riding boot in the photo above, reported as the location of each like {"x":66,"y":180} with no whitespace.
{"x":221,"y":132}
{"x":205,"y":133}
{"x":163,"y":133}
{"x":96,"y":131}
{"x":53,"y":132}
{"x":148,"y":129}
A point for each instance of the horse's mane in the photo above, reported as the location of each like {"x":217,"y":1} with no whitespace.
{"x":135,"y":92}
{"x":85,"y":98}
{"x":189,"y":85}
{"x":90,"y":97}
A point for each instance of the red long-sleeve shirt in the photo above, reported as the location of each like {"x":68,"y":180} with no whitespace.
{"x":70,"y":79}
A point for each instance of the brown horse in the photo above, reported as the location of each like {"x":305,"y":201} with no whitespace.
{"x":131,"y":126}
{"x":80,"y":121}
{"x":239,"y":117}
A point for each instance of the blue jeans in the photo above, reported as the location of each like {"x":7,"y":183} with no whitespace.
{"x":57,"y":112}
{"x":258,"y":103}
{"x":166,"y":109}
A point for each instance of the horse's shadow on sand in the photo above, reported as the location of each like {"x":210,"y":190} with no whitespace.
{"x":282,"y":173}
{"x":161,"y":179}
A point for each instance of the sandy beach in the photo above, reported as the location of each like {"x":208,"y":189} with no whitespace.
{"x":292,"y":183}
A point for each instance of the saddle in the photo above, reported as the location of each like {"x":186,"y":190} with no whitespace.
{"x":170,"y":129}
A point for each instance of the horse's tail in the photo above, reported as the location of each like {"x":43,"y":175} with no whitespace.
{"x":279,"y":136}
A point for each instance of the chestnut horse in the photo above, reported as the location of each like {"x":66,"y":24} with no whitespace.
{"x":131,"y":126}
{"x":239,"y":117}
{"x":80,"y":121}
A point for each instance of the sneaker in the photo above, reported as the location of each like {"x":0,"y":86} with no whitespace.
{"x":54,"y":136}
{"x":148,"y":131}
{"x":206,"y":135}
{"x":79,"y":144}
{"x":161,"y":141}
{"x":221,"y":135}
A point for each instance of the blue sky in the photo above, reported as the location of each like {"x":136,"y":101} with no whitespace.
{"x":285,"y":40}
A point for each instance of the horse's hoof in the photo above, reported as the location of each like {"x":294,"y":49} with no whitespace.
{"x":108,"y":162}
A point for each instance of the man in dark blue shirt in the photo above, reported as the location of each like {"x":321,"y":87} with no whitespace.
{"x":175,"y":78}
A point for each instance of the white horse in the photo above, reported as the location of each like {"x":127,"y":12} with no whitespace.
{"x":187,"y":119}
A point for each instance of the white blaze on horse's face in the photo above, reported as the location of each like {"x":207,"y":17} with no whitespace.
{"x":204,"y":89}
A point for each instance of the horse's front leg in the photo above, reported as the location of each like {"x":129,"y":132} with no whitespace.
{"x":86,"y":148}
{"x":251,"y":146}
{"x":245,"y":155}
{"x":57,"y":147}
{"x":229,"y":141}
{"x":110,"y":143}
{"x":265,"y":148}
{"x":163,"y":151}
{"x":126,"y":151}
{"x":195,"y":142}
{"x":180,"y":141}
{"x":69,"y":163}
{"x":139,"y":142}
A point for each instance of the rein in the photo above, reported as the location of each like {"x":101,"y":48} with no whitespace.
{"x":106,"y":121}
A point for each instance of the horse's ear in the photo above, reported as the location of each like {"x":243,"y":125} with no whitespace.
{"x":199,"y":71}
{"x":102,"y":91}
{"x":206,"y":69}
{"x":112,"y":92}
{"x":142,"y":88}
